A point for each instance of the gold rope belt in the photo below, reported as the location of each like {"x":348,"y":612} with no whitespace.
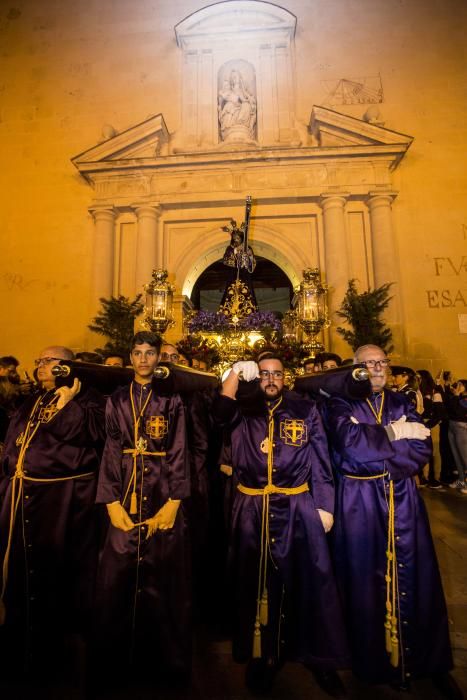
{"x":50,"y":480}
{"x":392,"y":588}
{"x":367,"y":478}
{"x":272,"y":488}
{"x":133,"y":451}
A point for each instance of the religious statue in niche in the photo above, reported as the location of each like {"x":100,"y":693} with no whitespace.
{"x":236,"y":105}
{"x":239,"y":298}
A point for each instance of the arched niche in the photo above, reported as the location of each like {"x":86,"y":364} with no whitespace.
{"x":216,"y":252}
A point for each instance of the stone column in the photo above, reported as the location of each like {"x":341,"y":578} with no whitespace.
{"x":104,"y":253}
{"x":336,"y":260}
{"x":384,"y":251}
{"x":146,"y":251}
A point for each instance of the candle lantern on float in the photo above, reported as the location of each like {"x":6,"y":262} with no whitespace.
{"x":311,"y":310}
{"x":158,"y":307}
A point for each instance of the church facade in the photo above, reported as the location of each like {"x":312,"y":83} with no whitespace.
{"x":350,"y":149}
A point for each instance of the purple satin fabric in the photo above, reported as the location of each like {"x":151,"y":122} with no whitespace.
{"x":54,"y":548}
{"x":360,"y":447}
{"x":143,"y":600}
{"x":305,"y":621}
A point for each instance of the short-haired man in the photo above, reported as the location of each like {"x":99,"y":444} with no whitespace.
{"x":9,"y":368}
{"x":329,"y":360}
{"x":169,"y":353}
{"x":114,"y":360}
{"x":48,"y":541}
{"x":285,"y":596}
{"x":143,"y":586}
{"x":309,"y":365}
{"x":10,"y":395}
{"x":384,"y":556}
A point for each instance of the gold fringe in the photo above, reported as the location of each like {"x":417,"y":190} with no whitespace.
{"x":133,"y":503}
{"x":257,"y":641}
{"x":263,"y":608}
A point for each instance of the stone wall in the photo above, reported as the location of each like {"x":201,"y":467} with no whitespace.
{"x":74,"y":74}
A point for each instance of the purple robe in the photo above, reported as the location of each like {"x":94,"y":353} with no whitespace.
{"x":143,"y":599}
{"x":305,"y":622}
{"x":360,"y":447}
{"x":53,"y":556}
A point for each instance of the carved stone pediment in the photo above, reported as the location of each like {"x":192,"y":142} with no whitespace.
{"x":332,"y":128}
{"x":146,"y":140}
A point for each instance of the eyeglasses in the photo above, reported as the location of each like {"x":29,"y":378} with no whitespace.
{"x":371,"y":364}
{"x":166,"y":357}
{"x":46,"y":360}
{"x":276,"y":374}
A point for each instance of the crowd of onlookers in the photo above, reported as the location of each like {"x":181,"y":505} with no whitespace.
{"x":440,"y":400}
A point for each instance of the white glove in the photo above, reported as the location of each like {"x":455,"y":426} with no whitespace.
{"x":401,"y":430}
{"x":246,"y":370}
{"x":66,"y":393}
{"x":326,"y":518}
{"x":119,"y":517}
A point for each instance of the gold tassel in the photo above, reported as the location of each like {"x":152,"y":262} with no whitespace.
{"x":2,"y":612}
{"x":133,"y":504}
{"x":257,"y":641}
{"x":263,"y":608}
{"x":394,"y":644}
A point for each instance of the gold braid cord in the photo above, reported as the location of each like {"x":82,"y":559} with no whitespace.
{"x":262,"y":612}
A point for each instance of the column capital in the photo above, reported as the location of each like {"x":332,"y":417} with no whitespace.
{"x":147,"y":210}
{"x":330,"y":200}
{"x":103,"y":213}
{"x":381,"y":198}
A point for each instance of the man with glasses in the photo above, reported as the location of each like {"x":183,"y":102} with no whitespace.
{"x":285,"y":598}
{"x":383,"y":551}
{"x":48,"y":541}
{"x":169,"y":353}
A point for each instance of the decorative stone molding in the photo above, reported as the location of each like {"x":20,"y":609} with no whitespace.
{"x":237,"y":76}
{"x":148,"y":247}
{"x":104,"y":242}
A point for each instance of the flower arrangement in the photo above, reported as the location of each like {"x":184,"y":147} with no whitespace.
{"x":210,"y":321}
{"x":260,"y":321}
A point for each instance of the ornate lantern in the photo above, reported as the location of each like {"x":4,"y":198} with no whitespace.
{"x":311,"y":309}
{"x":159,"y":299}
{"x":289,"y":326}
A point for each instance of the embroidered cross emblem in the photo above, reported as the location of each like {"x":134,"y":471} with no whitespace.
{"x":47,"y":413}
{"x":157,"y":427}
{"x":293,"y":432}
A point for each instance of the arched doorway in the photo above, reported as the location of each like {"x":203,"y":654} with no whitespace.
{"x":273,"y":289}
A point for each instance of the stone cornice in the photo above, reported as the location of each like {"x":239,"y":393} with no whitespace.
{"x":215,"y":160}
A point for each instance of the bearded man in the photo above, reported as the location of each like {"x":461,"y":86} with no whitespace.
{"x":285,"y":596}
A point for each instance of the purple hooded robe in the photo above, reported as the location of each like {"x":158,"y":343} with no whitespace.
{"x":360,"y":448}
{"x":54,"y":540}
{"x":304,"y":616}
{"x":143,"y":601}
